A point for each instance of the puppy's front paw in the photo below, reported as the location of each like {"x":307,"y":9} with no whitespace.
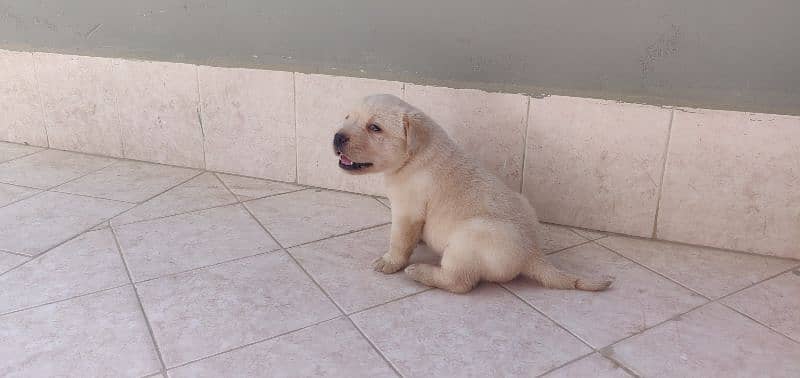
{"x":386,"y":265}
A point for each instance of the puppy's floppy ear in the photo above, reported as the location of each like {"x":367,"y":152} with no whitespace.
{"x":416,"y":132}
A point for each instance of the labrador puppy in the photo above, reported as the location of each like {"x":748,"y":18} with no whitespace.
{"x":440,"y":195}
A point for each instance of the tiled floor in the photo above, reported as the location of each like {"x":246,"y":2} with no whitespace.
{"x":122,"y":268}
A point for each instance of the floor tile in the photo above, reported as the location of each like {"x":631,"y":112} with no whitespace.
{"x":10,"y":260}
{"x":130,"y":181}
{"x":202,"y":192}
{"x":638,"y":299}
{"x":10,"y":151}
{"x":36,"y":224}
{"x":712,"y":341}
{"x":248,"y":121}
{"x":775,"y":303}
{"x":20,"y":103}
{"x":89,"y":263}
{"x":440,"y":334}
{"x":246,"y":188}
{"x":343,"y":267}
{"x":102,"y":334}
{"x":79,"y":103}
{"x":554,"y":238}
{"x":710,"y":272}
{"x":50,"y":168}
{"x":13,"y":193}
{"x":310,"y":215}
{"x":594,"y":365}
{"x":159,"y":112}
{"x":331,"y":349}
{"x":207,"y":311}
{"x":174,"y":244}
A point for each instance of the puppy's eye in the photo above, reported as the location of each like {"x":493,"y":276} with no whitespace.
{"x":375,"y":128}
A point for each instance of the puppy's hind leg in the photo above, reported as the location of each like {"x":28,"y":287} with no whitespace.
{"x":549,"y":276}
{"x":452,"y":276}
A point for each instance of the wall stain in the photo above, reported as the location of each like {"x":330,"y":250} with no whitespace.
{"x":666,"y":45}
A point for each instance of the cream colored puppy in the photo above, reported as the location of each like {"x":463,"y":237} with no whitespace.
{"x":440,"y":195}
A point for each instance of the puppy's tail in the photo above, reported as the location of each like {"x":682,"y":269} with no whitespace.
{"x":549,"y":276}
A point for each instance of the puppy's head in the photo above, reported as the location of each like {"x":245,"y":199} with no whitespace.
{"x":379,"y":135}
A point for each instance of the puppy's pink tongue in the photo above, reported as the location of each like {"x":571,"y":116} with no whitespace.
{"x":345,"y":160}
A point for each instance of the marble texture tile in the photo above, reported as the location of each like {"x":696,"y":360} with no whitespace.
{"x":20,"y":103}
{"x":89,"y":263}
{"x":13,"y":193}
{"x":488,"y":126}
{"x":708,"y":271}
{"x":710,"y":341}
{"x":79,"y":103}
{"x":102,"y":334}
{"x":38,"y":223}
{"x":321,"y":104}
{"x":248,"y":122}
{"x":731,"y":182}
{"x":331,"y":349}
{"x":202,"y":192}
{"x":314,"y":214}
{"x":638,"y":299}
{"x":775,"y":303}
{"x":10,"y":151}
{"x":246,"y":188}
{"x":594,"y":365}
{"x":595,"y":164}
{"x":50,"y":168}
{"x":343,"y":267}
{"x":182,"y":242}
{"x":447,"y":335}
{"x":159,"y":112}
{"x":129,"y":181}
{"x":207,"y":311}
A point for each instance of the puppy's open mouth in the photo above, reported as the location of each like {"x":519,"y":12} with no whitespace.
{"x":349,"y":165}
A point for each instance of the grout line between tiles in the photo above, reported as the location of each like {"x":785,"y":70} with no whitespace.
{"x":321,"y":289}
{"x":48,"y":250}
{"x":172,"y":274}
{"x":63,"y":299}
{"x":88,"y":196}
{"x":41,"y":98}
{"x":391,"y":301}
{"x":182,"y":364}
{"x":663,"y":174}
{"x":677,"y":316}
{"x":654,"y":271}
{"x":525,"y":145}
{"x":296,"y":140}
{"x":200,"y":114}
{"x":39,"y":149}
{"x":139,"y":301}
{"x":576,"y":359}
{"x":758,"y":321}
{"x":17,"y":253}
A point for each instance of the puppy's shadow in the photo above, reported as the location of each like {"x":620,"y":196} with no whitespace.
{"x":423,"y":254}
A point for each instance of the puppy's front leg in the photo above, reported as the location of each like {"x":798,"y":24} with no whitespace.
{"x":405,"y":236}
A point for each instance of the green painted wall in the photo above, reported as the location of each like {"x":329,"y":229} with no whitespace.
{"x":730,"y":54}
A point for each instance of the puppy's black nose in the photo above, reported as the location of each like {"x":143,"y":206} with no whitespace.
{"x":339,"y":140}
